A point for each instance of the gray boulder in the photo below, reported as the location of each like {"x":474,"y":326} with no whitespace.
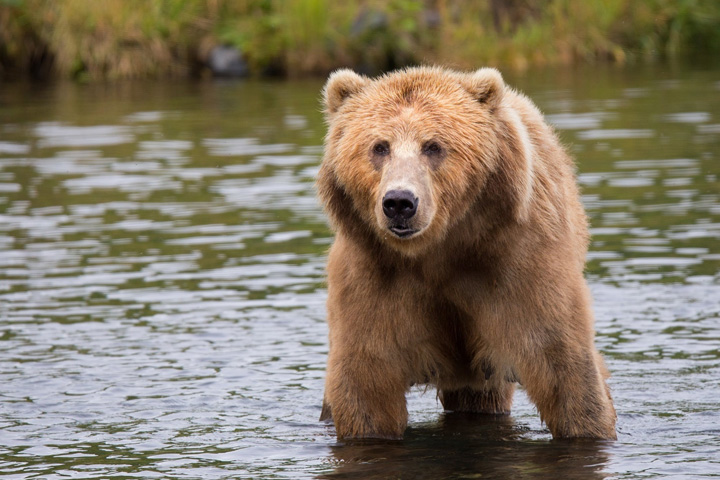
{"x":226,"y":61}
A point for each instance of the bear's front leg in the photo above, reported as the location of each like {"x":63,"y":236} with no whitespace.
{"x":567,"y":384}
{"x":376,"y":320}
{"x":364,"y":396}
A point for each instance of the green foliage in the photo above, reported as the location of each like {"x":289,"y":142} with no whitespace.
{"x":139,"y":38}
{"x":669,"y":28}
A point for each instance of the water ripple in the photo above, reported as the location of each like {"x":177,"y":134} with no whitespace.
{"x":162,"y":291}
{"x":59,"y":135}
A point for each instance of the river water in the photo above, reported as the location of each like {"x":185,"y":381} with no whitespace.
{"x":162,"y":285}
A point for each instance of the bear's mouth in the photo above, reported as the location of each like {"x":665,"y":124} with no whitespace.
{"x":402,"y":231}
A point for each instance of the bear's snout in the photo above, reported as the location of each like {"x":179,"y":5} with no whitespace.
{"x":399,"y":206}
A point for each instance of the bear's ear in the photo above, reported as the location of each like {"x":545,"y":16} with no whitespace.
{"x":341,"y":85}
{"x":486,"y":85}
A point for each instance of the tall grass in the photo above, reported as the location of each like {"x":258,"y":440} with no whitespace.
{"x":560,"y":31}
{"x":111,"y":39}
{"x":100,"y":39}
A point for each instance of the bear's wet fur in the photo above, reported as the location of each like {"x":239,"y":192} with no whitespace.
{"x":458,"y":257}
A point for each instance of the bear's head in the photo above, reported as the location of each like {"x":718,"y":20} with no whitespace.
{"x":408,"y":155}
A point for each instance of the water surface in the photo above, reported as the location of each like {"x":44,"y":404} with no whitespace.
{"x":162,"y":288}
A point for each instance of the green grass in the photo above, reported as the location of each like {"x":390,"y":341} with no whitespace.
{"x":109,"y":39}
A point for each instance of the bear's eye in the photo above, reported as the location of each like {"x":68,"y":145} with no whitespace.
{"x":432,"y":148}
{"x":381,"y":148}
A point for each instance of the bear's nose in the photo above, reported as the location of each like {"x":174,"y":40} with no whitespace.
{"x":399,"y":204}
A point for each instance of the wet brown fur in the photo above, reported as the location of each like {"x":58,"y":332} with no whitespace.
{"x":490,"y":292}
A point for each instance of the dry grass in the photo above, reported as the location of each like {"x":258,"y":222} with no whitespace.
{"x":138,"y":38}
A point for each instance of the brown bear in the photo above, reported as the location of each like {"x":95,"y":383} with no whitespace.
{"x":458,"y":258}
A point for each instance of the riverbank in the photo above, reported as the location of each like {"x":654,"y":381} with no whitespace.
{"x":116,"y":39}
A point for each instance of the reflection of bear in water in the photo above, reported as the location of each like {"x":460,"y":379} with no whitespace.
{"x":459,"y":255}
{"x":463,"y":445}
